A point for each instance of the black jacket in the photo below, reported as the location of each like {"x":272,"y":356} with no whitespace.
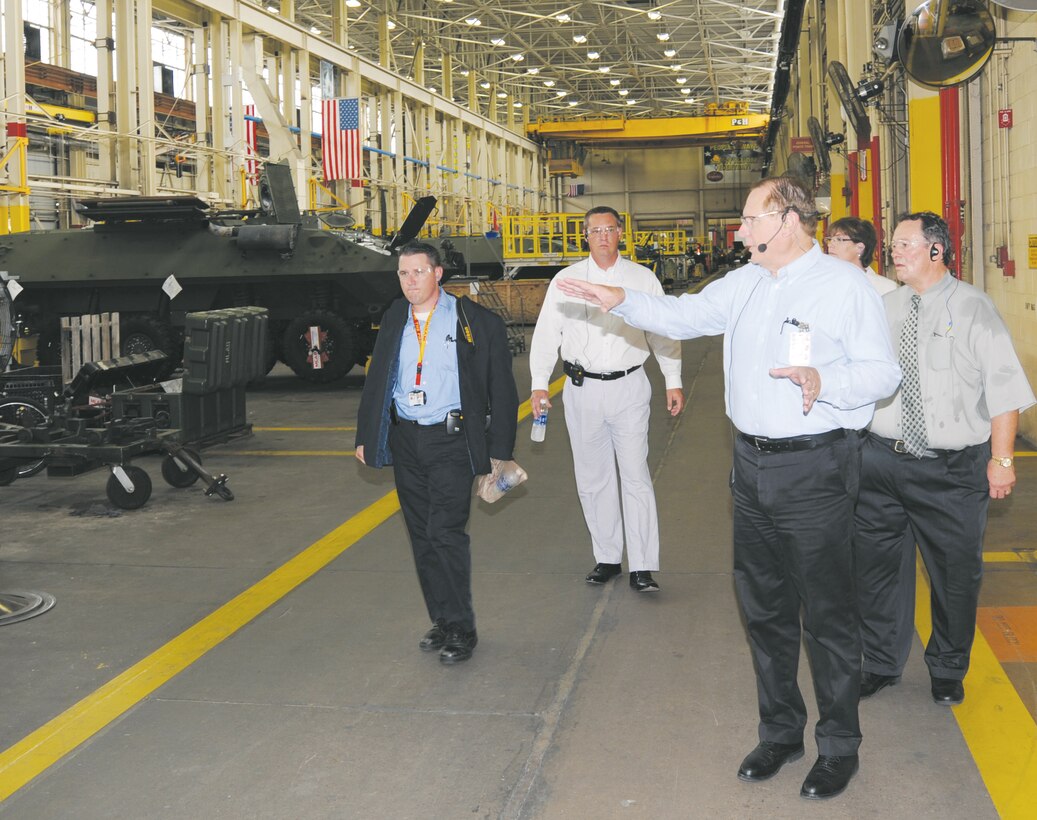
{"x":484,"y":371}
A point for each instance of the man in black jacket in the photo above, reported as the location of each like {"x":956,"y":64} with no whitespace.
{"x":439,"y":402}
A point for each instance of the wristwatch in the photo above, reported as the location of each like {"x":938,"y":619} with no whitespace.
{"x":1004,"y":462}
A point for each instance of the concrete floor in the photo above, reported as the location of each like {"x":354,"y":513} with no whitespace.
{"x":580,"y":702}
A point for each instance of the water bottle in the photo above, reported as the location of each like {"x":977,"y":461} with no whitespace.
{"x":509,"y":478}
{"x":540,"y":423}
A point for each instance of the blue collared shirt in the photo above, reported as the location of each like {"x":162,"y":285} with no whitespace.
{"x":849,"y":341}
{"x":438,"y":370}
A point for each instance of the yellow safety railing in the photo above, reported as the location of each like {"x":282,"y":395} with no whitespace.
{"x":670,"y":243}
{"x":314,"y":187}
{"x":14,"y":205}
{"x":553,"y":236}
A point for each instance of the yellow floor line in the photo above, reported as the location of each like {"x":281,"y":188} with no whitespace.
{"x":37,"y":752}
{"x":1022,"y":556}
{"x":1000,"y":732}
{"x":47,"y":745}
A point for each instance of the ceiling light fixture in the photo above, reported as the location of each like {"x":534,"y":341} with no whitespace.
{"x":389,"y":24}
{"x":615,"y":81}
{"x":314,"y":30}
{"x":631,"y":102}
{"x":623,"y":92}
{"x":484,"y":84}
{"x":516,"y":104}
{"x":561,"y":93}
{"x":501,"y":95}
{"x":353,"y":4}
{"x":670,"y":52}
{"x":532,"y":70}
{"x":518,"y":58}
{"x":685,"y":91}
{"x":472,"y":21}
{"x":563,"y":17}
{"x":497,"y":41}
{"x":465,"y":72}
{"x":655,"y":14}
{"x":573,"y":102}
{"x":604,"y":69}
{"x":549,"y":83}
{"x":592,"y":55}
{"x":580,"y":38}
{"x":676,"y":67}
{"x":663,"y":36}
{"x":681,"y":80}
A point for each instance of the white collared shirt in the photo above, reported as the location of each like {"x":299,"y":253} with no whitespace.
{"x":599,"y":342}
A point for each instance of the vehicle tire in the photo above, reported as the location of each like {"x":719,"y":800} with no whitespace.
{"x":175,"y":475}
{"x":139,"y":333}
{"x":141,"y":491}
{"x":24,"y":413}
{"x":337,"y":347}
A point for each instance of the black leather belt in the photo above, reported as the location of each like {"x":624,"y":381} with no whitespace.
{"x":897,"y":446}
{"x":453,"y":421}
{"x":578,"y":374}
{"x":788,"y":445}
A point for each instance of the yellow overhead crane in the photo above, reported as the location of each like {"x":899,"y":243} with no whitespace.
{"x":669,"y":131}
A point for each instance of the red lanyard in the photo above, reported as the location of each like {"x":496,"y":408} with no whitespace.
{"x":422,"y":338}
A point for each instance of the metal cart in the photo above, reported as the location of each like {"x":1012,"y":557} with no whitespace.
{"x":81,"y":435}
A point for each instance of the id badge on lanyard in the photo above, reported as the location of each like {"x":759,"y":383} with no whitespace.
{"x":417,"y":397}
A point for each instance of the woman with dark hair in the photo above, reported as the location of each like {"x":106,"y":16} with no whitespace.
{"x":853,"y":240}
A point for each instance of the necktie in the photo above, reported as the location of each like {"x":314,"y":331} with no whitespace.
{"x":912,"y":419}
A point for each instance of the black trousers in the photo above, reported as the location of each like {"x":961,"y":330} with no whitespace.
{"x":434,"y":483}
{"x":793,"y":540}
{"x":940,"y":503}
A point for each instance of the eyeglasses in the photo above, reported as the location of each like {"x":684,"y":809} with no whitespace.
{"x":904,"y":244}
{"x":607,"y":230}
{"x":830,"y":239}
{"x":749,"y":221}
{"x":417,"y":273}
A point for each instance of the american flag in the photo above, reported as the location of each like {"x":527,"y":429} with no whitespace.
{"x":340,"y":139}
{"x":577,"y":189}
{"x":251,"y":170}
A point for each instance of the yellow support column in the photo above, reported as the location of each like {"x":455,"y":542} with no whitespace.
{"x":926,"y":176}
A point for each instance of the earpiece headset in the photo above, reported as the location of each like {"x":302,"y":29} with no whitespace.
{"x":934,"y":252}
{"x":762,"y":247}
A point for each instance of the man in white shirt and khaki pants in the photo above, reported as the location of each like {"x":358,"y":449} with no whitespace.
{"x":606,"y":402}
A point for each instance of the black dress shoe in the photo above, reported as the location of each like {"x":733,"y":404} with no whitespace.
{"x":872,"y":683}
{"x":457,"y":645}
{"x":433,"y":639}
{"x":948,"y":692}
{"x":642,"y":581}
{"x":829,"y":776}
{"x":765,"y":760}
{"x":603,"y":573}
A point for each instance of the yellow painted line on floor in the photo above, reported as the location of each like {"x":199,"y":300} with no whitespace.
{"x":1022,"y":556}
{"x":329,"y":453}
{"x":47,"y":745}
{"x":40,"y":750}
{"x":303,"y":429}
{"x":1000,"y":732}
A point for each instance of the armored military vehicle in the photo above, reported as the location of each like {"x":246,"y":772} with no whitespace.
{"x":155,"y":259}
